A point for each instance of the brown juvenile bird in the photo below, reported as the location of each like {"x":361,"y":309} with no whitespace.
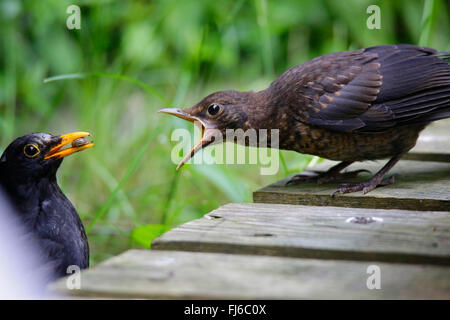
{"x":349,"y":106}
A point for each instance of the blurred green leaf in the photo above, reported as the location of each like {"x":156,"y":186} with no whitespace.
{"x":428,"y":19}
{"x":144,"y":235}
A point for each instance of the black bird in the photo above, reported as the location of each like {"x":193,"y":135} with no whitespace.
{"x":28,"y":169}
{"x":349,"y":106}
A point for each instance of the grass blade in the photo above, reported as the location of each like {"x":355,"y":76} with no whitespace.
{"x":122,"y":181}
{"x":141,"y":84}
{"x":428,"y":18}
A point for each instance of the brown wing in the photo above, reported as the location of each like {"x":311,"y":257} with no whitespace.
{"x":369,"y":89}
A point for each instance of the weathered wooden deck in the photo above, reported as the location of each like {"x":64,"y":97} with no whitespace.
{"x":296,"y":242}
{"x":418,"y":185}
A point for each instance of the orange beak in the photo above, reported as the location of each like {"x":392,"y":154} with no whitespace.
{"x":78,"y":144}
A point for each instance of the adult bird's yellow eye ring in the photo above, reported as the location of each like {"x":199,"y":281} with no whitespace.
{"x":31,"y":150}
{"x":214,"y":110}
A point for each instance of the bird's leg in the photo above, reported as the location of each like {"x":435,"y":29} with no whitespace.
{"x":332,"y":174}
{"x":377,"y":180}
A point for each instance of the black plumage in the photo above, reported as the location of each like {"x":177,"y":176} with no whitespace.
{"x":28,"y":169}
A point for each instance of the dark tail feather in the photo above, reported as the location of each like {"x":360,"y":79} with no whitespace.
{"x":432,"y":116}
{"x":429,"y":105}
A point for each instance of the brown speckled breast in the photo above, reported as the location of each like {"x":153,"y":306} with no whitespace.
{"x":350,"y":146}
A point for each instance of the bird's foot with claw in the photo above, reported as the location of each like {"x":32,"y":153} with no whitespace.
{"x":324,"y":177}
{"x":365,"y":187}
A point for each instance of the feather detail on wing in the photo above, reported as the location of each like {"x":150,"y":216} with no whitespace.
{"x":370,"y":90}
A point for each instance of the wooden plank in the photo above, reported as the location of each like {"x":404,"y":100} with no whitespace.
{"x":433,"y":143}
{"x":316,"y":232}
{"x":419,"y":186}
{"x":189,"y":275}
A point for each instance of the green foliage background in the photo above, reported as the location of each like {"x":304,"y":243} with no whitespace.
{"x":133,"y":57}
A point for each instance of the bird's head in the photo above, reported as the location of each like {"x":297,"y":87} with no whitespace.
{"x":215,"y":114}
{"x":39,"y":155}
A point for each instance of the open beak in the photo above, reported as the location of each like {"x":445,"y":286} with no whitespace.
{"x":208,"y":133}
{"x":77,"y":141}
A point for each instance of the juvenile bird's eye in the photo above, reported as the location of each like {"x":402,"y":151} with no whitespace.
{"x":214,"y":109}
{"x":31,"y":150}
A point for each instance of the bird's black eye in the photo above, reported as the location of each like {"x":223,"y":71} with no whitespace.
{"x":214,"y":109}
{"x":31,"y":150}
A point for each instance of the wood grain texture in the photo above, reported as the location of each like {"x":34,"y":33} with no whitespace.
{"x":316,"y":232}
{"x":189,"y":275}
{"x":419,"y":185}
{"x":433,"y":143}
